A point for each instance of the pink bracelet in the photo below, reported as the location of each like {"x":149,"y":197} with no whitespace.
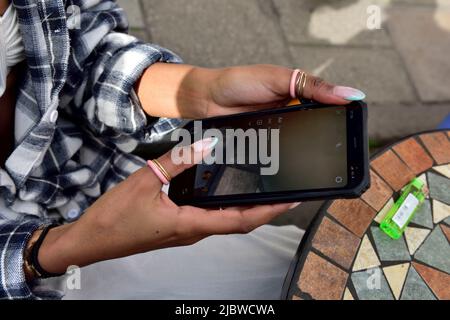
{"x":292,"y":85}
{"x":157,"y":172}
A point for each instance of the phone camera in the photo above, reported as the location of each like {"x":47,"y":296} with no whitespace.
{"x":339,"y":180}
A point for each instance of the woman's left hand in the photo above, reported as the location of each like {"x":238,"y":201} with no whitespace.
{"x":249,"y":88}
{"x":183,"y":91}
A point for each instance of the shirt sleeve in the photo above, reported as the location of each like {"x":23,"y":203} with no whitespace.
{"x":14,"y":236}
{"x":104,"y":65}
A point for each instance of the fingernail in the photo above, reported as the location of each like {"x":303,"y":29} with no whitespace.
{"x":205,"y":144}
{"x":295,"y":205}
{"x":350,"y":94}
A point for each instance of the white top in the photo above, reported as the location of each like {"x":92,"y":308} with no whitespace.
{"x":12,"y":50}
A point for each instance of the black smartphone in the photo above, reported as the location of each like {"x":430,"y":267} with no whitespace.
{"x":321,"y":153}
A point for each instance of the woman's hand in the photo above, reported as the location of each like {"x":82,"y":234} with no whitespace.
{"x":136,"y":217}
{"x":183,"y":91}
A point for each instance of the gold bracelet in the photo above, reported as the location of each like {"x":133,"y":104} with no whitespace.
{"x":29,"y":269}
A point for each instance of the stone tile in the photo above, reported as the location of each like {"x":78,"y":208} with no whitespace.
{"x":336,"y":243}
{"x":438,"y":282}
{"x":396,"y":276}
{"x":389,"y":249}
{"x":415,"y":288}
{"x":438,"y":146}
{"x":382,"y":214}
{"x":413,"y":155}
{"x":378,"y":193}
{"x":439,"y":187}
{"x":447,"y":221}
{"x":387,"y":82}
{"x":321,"y":279}
{"x":441,"y":211}
{"x":392,"y":170}
{"x":134,"y":12}
{"x":371,"y":285}
{"x":423,"y":216}
{"x":446,"y":231}
{"x":366,"y":258}
{"x":444,"y":170}
{"x":415,"y":237}
{"x":329,"y":22}
{"x":387,"y":120}
{"x":424,"y":47}
{"x":215,"y":33}
{"x":423,"y":177}
{"x":348,"y":295}
{"x":435,"y":251}
{"x":354,"y":214}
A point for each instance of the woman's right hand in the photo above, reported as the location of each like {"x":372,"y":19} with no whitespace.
{"x":135,"y":217}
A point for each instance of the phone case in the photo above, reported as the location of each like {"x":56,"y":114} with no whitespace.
{"x":252,"y":199}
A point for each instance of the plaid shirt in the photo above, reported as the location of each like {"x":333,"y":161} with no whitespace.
{"x":77,"y":120}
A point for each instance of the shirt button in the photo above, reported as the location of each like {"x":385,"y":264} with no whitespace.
{"x":73,"y":214}
{"x":54,"y":116}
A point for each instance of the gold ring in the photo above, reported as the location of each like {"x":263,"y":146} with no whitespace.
{"x":301,"y":84}
{"x":162,"y":169}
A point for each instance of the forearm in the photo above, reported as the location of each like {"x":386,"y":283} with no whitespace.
{"x":176,"y":90}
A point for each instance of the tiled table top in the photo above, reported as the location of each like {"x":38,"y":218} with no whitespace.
{"x":345,"y":255}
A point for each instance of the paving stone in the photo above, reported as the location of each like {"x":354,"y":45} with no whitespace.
{"x":141,"y":34}
{"x":424,"y":47}
{"x":446,"y":231}
{"x":438,"y":145}
{"x":392,"y":170}
{"x":382,"y":214}
{"x":447,"y":221}
{"x":415,"y":288}
{"x":378,"y":193}
{"x":392,"y":121}
{"x":321,"y":279}
{"x":389,"y":249}
{"x":215,"y":33}
{"x":367,"y":257}
{"x":444,"y":170}
{"x":413,"y":155}
{"x":438,"y":281}
{"x":435,"y":251}
{"x":353,"y":214}
{"x":439,"y":187}
{"x":133,"y":11}
{"x":440,"y":211}
{"x":336,"y":242}
{"x":371,"y":285}
{"x":415,"y":237}
{"x":379,"y":73}
{"x":423,"y":216}
{"x":308,"y":21}
{"x":396,"y":276}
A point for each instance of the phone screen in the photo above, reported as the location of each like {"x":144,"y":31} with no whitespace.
{"x":305,"y":150}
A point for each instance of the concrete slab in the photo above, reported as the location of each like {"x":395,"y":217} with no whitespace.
{"x":390,"y":121}
{"x":379,"y":73}
{"x":218,"y":33}
{"x":134,"y":12}
{"x":424,"y":46}
{"x":331,"y":22}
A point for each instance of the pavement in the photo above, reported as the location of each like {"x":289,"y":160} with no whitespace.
{"x":397,"y":51}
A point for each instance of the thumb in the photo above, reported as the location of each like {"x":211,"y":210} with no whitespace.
{"x":180,"y":159}
{"x":319,"y":90}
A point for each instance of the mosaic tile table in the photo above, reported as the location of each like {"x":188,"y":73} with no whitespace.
{"x":345,"y":255}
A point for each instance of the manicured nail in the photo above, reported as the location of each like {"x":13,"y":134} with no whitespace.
{"x":205,"y":144}
{"x":348,"y":93}
{"x":295,"y":205}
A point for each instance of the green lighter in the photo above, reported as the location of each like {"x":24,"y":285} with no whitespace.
{"x":402,"y":212}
